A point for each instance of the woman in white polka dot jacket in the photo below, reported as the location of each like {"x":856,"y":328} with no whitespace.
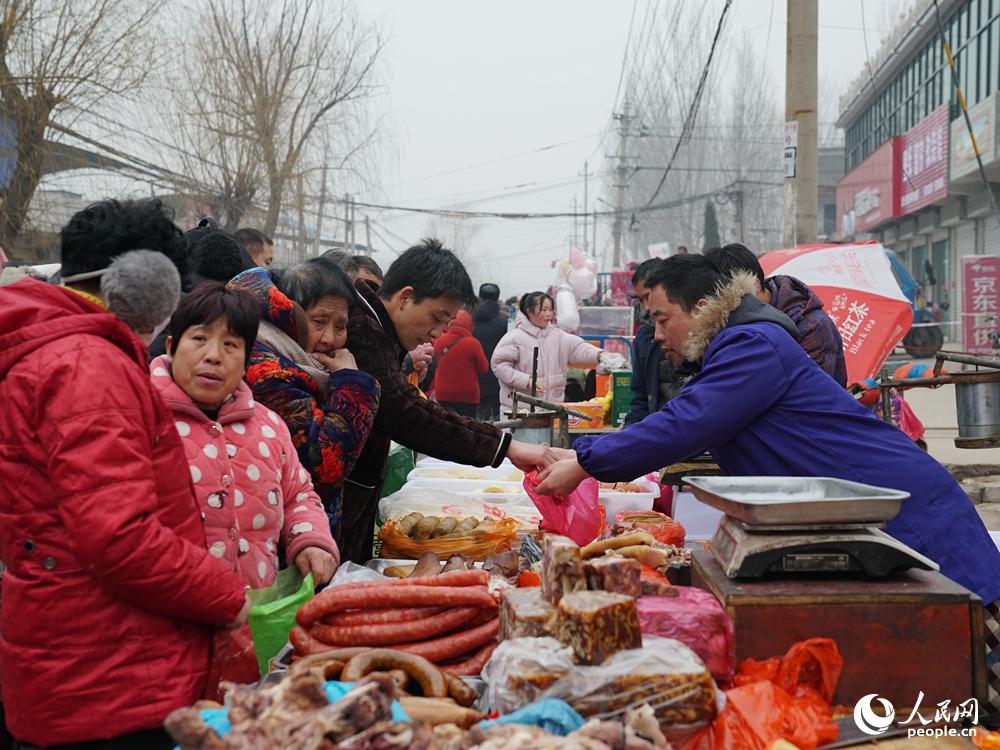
{"x":255,"y":498}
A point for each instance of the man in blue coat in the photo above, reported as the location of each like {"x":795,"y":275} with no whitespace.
{"x":761,"y":407}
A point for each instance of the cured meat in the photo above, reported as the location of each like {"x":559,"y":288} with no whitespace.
{"x":562,"y":568}
{"x":597,"y":624}
{"x":525,"y":614}
{"x":619,"y":575}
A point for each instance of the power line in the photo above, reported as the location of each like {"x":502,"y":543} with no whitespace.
{"x":693,"y":111}
{"x":628,"y":39}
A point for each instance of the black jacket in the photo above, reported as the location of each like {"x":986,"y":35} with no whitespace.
{"x":403,"y":414}
{"x":490,"y":326}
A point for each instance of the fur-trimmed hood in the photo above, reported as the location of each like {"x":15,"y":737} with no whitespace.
{"x":733,"y":304}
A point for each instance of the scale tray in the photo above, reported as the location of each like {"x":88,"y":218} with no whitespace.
{"x":785,"y":501}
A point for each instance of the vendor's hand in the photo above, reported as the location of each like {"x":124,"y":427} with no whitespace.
{"x":241,"y":618}
{"x":528,"y":457}
{"x":342,"y":359}
{"x":421,"y":356}
{"x":317,"y":561}
{"x":561,"y":478}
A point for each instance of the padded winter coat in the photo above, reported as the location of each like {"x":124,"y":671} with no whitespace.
{"x":761,"y":407}
{"x":556,"y":350}
{"x":254,"y":496}
{"x":460,"y":362}
{"x":108,"y":587}
{"x":328,"y":429}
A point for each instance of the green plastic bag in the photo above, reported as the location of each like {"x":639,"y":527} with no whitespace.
{"x":272,"y":613}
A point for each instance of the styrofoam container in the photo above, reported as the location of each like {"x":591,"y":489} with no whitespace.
{"x":474,"y":473}
{"x":616,"y":502}
{"x":466,"y":485}
{"x":428,"y":461}
{"x":699,"y":520}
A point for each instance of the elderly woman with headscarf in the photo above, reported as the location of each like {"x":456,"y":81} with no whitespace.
{"x":300,"y":369}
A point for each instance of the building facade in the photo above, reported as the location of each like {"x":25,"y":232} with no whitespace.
{"x":911,"y":177}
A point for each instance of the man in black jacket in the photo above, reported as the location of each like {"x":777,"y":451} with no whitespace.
{"x":490,"y":326}
{"x":421,"y":293}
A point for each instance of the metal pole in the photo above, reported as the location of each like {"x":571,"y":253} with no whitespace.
{"x":886,"y":396}
{"x":368,"y":235}
{"x":593,"y":244}
{"x":586,"y":202}
{"x":801,"y":194}
{"x":322,"y":207}
{"x":623,"y":119}
{"x":347,"y":218}
{"x":534,"y":376}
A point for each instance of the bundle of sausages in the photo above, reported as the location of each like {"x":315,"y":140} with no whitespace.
{"x":450,"y":619}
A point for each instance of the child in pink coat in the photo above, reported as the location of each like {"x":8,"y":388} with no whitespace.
{"x":256,"y":500}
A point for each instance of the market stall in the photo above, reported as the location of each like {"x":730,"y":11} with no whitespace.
{"x":496,"y":619}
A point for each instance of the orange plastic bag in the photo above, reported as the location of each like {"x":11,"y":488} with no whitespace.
{"x":480,"y":543}
{"x":662,"y":527}
{"x":785,"y":698}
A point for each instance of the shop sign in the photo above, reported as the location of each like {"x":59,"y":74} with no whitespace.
{"x":980,"y":302}
{"x":984,"y":125}
{"x":869,"y":194}
{"x":924,"y":162}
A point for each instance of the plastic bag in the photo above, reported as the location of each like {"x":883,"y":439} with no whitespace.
{"x":478,"y":544}
{"x":662,"y":527}
{"x":233,"y":660}
{"x":664,"y":673}
{"x":272,"y":612}
{"x":520,"y":670}
{"x":781,"y":698}
{"x":552,"y":715}
{"x":696,"y":619}
{"x":434,"y":502}
{"x":578,"y":516}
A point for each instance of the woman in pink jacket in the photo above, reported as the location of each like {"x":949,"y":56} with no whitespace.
{"x":513,"y":356}
{"x":256,"y":499}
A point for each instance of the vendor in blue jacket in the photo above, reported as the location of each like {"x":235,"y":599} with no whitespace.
{"x":762,"y":407}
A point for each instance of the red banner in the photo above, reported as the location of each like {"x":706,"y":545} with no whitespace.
{"x":924,"y":162}
{"x":869,"y":194}
{"x":980,"y":302}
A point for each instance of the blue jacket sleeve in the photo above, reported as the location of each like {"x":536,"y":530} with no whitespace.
{"x":639,"y":405}
{"x":740,"y":380}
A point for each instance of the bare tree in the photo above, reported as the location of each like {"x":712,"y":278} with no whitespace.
{"x":274,"y":76}
{"x":458,"y":234}
{"x":58,"y":56}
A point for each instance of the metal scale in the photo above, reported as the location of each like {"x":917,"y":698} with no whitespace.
{"x":786,"y":526}
{"x":545,"y":423}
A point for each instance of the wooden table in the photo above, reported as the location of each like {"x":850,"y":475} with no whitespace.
{"x":916,"y":631}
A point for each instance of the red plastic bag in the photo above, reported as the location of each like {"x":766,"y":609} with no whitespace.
{"x":696,"y":619}
{"x":659,"y":525}
{"x":233,"y":660}
{"x":781,"y":698}
{"x":578,"y":515}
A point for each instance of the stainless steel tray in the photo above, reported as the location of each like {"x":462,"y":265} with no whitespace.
{"x":792,"y":501}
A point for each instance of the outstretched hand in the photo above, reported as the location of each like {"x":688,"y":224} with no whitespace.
{"x":561,"y":478}
{"x":528,"y":457}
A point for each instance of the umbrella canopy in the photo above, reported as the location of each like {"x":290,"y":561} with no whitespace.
{"x":859,"y":293}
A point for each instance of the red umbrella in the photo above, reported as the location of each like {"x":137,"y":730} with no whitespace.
{"x":859,"y":293}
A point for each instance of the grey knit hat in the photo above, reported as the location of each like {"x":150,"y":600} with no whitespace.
{"x":141,"y":288}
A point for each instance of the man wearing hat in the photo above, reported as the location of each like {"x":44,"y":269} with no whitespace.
{"x":490,"y":326}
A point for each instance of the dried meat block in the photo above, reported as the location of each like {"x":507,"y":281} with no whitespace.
{"x":597,"y":624}
{"x":619,"y":575}
{"x":562,"y":568}
{"x":525,"y":614}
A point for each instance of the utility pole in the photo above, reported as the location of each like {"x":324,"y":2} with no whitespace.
{"x":347,"y":219}
{"x":586,"y":202}
{"x":322,"y":207}
{"x":368,"y":235}
{"x":624,"y":119}
{"x":300,"y":245}
{"x":740,"y":219}
{"x":800,"y":122}
{"x":354,"y":227}
{"x":593,"y":244}
{"x":576,"y":224}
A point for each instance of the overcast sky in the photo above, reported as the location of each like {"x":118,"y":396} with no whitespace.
{"x":471,"y":82}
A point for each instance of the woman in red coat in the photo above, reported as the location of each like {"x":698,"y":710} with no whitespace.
{"x":108,"y":588}
{"x":460,"y":363}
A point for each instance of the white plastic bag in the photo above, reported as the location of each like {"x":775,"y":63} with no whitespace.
{"x":435,"y":502}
